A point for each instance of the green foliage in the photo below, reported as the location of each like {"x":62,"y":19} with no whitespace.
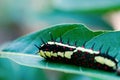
{"x":21,"y":50}
{"x":108,"y":40}
{"x":94,"y":6}
{"x":93,"y":21}
{"x":74,"y":32}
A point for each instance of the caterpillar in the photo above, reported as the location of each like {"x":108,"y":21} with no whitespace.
{"x":79,"y":56}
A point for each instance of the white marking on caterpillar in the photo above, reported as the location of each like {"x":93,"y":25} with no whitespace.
{"x":68,"y":54}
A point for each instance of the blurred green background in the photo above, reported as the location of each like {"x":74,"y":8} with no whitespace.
{"x":19,"y":17}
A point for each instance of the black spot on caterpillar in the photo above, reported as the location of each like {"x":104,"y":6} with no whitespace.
{"x":79,"y":56}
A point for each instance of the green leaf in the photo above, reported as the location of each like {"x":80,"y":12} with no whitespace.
{"x":108,"y":40}
{"x":9,"y":70}
{"x":93,"y":21}
{"x":74,"y":32}
{"x":87,"y":5}
{"x":38,"y":62}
